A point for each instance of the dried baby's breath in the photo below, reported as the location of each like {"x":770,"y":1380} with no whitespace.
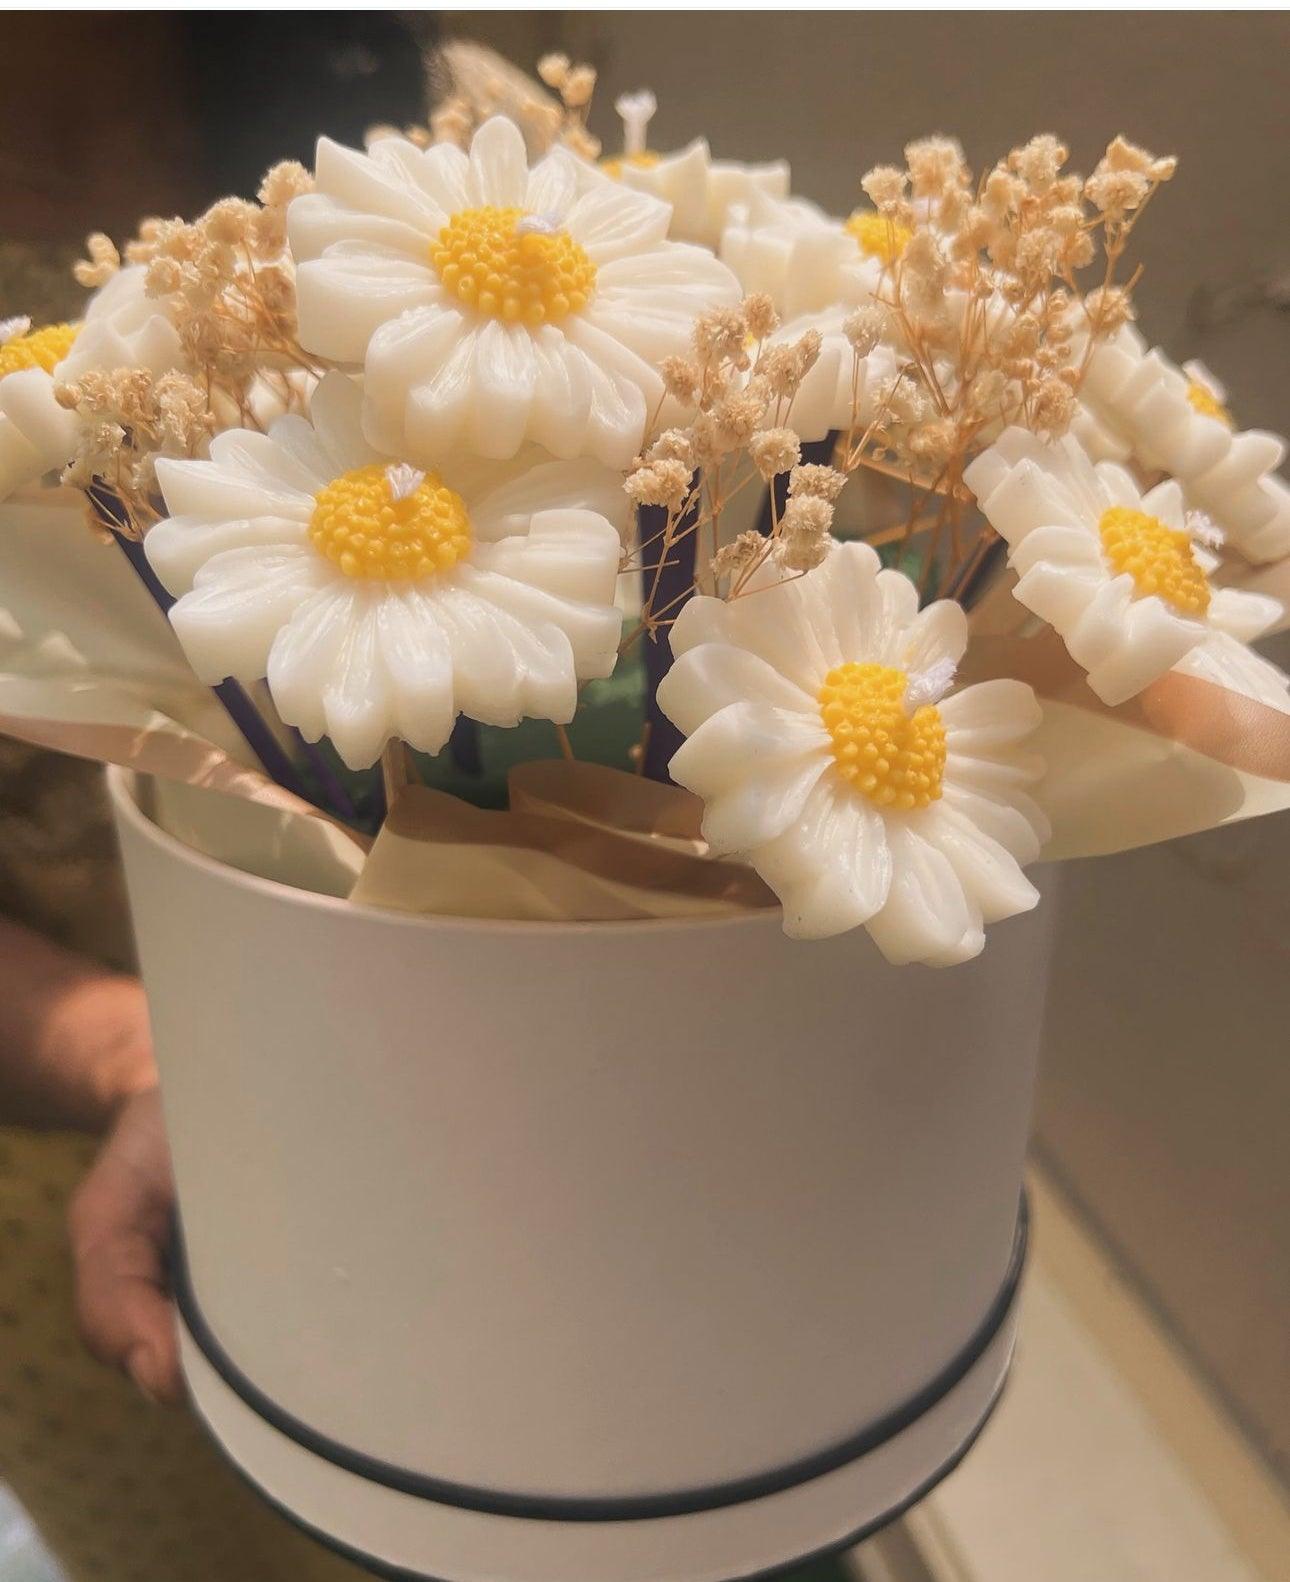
{"x":226,"y":283}
{"x":984,"y":309}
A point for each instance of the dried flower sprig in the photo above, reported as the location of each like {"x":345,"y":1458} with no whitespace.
{"x":226,"y":284}
{"x":470,"y":83}
{"x":128,"y":418}
{"x":737,"y":389}
{"x":981,"y":301}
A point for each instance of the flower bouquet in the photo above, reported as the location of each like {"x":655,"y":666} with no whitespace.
{"x":567,"y":630}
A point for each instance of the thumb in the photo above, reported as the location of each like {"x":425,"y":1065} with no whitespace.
{"x":119,"y":1222}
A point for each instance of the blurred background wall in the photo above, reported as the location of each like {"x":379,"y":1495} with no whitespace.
{"x":1166,"y":1086}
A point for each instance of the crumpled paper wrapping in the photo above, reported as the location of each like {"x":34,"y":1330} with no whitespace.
{"x":89,"y":666}
{"x":580,"y":843}
{"x":1183,"y":756}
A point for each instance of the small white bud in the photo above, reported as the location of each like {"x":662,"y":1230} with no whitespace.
{"x":404,"y":479}
{"x":537,"y":225}
{"x":1205,"y":530}
{"x":11,"y":329}
{"x":636,"y":111}
{"x":930,"y":685}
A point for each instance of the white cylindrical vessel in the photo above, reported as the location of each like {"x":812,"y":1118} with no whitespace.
{"x":537,"y":1252}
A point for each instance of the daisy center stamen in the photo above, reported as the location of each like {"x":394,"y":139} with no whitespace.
{"x":1158,"y":558}
{"x":894,"y":756}
{"x":1204,"y":401}
{"x":394,"y":524}
{"x":500,"y":263}
{"x":877,"y":236}
{"x":44,"y":348}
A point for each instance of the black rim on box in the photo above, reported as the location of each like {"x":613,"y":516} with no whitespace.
{"x":684,"y":1502}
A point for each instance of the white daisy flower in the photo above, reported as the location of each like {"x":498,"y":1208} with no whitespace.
{"x":382,"y":600}
{"x":121,"y":329}
{"x":36,"y":434}
{"x":790,"y":250}
{"x":804,"y":259}
{"x":700,"y":189}
{"x":1122,"y":576}
{"x":828,"y":754}
{"x":1137,"y":404}
{"x":492,"y":304}
{"x":124,"y":328}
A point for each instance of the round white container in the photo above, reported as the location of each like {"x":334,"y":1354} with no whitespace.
{"x":582,"y":1253}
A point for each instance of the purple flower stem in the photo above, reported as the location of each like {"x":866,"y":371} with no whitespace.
{"x":337,"y":797}
{"x":675,"y":580}
{"x":817,"y":450}
{"x":261,"y":740}
{"x":465,"y":746}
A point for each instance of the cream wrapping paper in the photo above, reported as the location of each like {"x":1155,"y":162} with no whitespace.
{"x":437,"y":854}
{"x":1183,"y":756}
{"x":90,"y":666}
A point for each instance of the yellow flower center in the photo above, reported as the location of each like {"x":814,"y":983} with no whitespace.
{"x":1159,"y":559}
{"x":392,"y":523}
{"x":877,"y":236}
{"x":506,"y":265}
{"x":1205,"y":402}
{"x":895,"y":758}
{"x":645,"y":160}
{"x":38,"y":349}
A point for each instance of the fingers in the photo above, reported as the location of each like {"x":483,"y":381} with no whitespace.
{"x":119,"y":1223}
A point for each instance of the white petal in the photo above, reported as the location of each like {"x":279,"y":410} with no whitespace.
{"x":317,"y":222}
{"x":1013,"y":819}
{"x":1243,"y":615}
{"x":552,"y":184}
{"x":499,"y":165}
{"x":1125,"y":643}
{"x":335,"y":410}
{"x":307,"y":651}
{"x":301,"y":457}
{"x":832,"y":870}
{"x":369,"y":186}
{"x":432,"y":346}
{"x":926,"y":917}
{"x":1227,"y":663}
{"x":418,"y":667}
{"x":989,"y":873}
{"x":504,"y":667}
{"x":502,"y":505}
{"x":609,"y":221}
{"x":342,"y":299}
{"x":178,"y":547}
{"x":27,"y":400}
{"x":754,"y":766}
{"x":205,"y":489}
{"x":742,"y":741}
{"x":356,"y":695}
{"x":238,"y":603}
{"x":423,"y":415}
{"x":505,"y":375}
{"x":624,"y":390}
{"x":570,"y":553}
{"x":992,"y":714}
{"x":711,"y":676}
{"x":850,"y":578}
{"x":583,"y":634}
{"x":940,"y":632}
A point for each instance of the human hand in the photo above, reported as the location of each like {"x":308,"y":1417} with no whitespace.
{"x":119,"y":1222}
